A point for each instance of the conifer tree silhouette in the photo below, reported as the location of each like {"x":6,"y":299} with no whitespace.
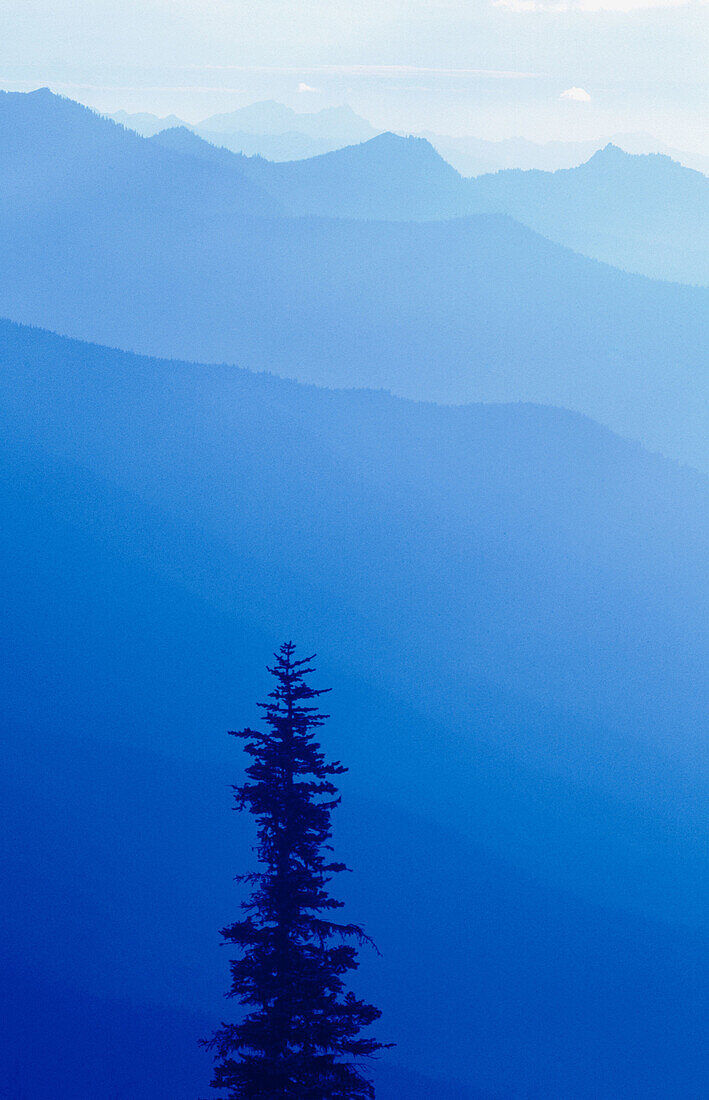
{"x":299,"y":1037}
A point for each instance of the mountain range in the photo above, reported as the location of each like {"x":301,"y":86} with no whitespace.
{"x":641,"y":213}
{"x":271,"y":130}
{"x":268,"y":128}
{"x":473,"y":156}
{"x":507,"y":601}
{"x":645,"y":214}
{"x":120,"y":240}
{"x":331,"y":124}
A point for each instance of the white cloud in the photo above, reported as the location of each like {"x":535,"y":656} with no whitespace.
{"x":579,"y":95}
{"x":307,"y":88}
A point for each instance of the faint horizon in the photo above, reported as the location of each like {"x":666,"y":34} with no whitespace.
{"x":567,"y":70}
{"x":163,"y":102}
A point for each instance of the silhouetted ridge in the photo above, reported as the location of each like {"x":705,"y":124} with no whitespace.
{"x":269,"y":117}
{"x":610,"y":154}
{"x":642,"y":212}
{"x":146,"y":124}
{"x":659,"y":165}
{"x":180,"y":139}
{"x":407,"y":147}
{"x":387,"y":177}
{"x":645,"y":213}
{"x":533,"y":759}
{"x":114,"y":238}
{"x":63,"y":162}
{"x":263,"y":116}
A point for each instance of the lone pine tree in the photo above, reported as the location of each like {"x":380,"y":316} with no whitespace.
{"x":299,"y":1036}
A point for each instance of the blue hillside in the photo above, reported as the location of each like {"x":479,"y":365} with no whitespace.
{"x":120,"y":241}
{"x":509,"y":604}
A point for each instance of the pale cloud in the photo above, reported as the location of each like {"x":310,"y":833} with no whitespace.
{"x":579,"y":95}
{"x":622,"y":6}
{"x":304,"y":88}
{"x":384,"y":71}
{"x":68,"y":86}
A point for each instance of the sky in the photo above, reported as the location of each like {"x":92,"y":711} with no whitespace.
{"x":542,"y":69}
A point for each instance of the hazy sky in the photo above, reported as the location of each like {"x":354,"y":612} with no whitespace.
{"x":496,"y":68}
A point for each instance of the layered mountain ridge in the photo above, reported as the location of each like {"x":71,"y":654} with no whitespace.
{"x":508,"y":604}
{"x":274,"y":131}
{"x":124,"y":242}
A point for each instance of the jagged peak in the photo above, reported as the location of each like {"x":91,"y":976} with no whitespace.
{"x":183,"y":132}
{"x":404,"y":144}
{"x":182,"y":139}
{"x":610,"y":154}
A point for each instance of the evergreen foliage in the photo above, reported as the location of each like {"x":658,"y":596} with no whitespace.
{"x":300,"y":1036}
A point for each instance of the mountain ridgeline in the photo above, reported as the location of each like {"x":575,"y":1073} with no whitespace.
{"x":507,"y":600}
{"x":278,"y":133}
{"x":119,"y":240}
{"x":64,"y":165}
{"x":646,"y":214}
{"x":267,"y":128}
{"x":506,"y":590}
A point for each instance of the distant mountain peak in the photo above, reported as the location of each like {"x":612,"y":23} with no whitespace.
{"x":407,"y":147}
{"x":344,"y":111}
{"x":180,"y":139}
{"x":146,"y":124}
{"x":411,"y":155}
{"x":182,"y":133}
{"x":612,"y":156}
{"x":263,"y":115}
{"x":392,"y":138}
{"x":611,"y":151}
{"x":43,"y":107}
{"x":338,"y":125}
{"x":609,"y":156}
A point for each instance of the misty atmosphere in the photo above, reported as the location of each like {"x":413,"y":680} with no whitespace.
{"x":427,"y":400}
